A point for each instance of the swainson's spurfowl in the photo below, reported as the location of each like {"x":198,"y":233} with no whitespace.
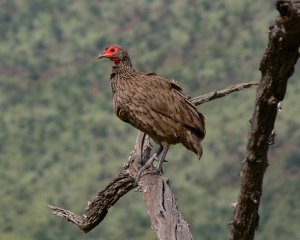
{"x":154,"y":105}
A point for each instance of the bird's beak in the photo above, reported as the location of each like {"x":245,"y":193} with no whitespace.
{"x":101,"y":56}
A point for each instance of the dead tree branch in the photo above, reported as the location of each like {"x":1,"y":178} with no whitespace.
{"x":276,"y":67}
{"x":97,"y":210}
{"x":221,"y":93}
{"x":167,"y":220}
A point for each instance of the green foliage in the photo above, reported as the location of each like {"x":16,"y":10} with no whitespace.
{"x":60,"y":141}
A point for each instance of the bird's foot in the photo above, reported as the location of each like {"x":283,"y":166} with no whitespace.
{"x":162,"y":153}
{"x":143,"y":172}
{"x":155,"y":171}
{"x":146,"y":166}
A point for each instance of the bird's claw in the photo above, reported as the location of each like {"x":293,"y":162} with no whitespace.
{"x":143,"y":172}
{"x":155,"y":171}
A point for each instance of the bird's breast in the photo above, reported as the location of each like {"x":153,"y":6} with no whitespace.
{"x":123,"y":93}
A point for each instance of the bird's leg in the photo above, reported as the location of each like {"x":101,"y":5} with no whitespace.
{"x":149,"y":162}
{"x":162,"y":158}
{"x":153,"y":157}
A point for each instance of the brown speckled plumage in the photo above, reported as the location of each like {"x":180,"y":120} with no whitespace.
{"x":154,"y":105}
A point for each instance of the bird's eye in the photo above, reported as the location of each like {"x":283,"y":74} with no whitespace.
{"x":112,"y":50}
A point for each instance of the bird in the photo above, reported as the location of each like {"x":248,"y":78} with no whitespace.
{"x":154,"y":105}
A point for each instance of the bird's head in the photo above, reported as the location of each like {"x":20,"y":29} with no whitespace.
{"x":115,"y":53}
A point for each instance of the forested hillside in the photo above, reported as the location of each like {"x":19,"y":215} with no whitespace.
{"x":60,"y":142}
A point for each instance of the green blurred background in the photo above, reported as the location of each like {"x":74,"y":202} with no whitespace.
{"x":60,"y":141}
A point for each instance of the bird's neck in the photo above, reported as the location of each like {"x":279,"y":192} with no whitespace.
{"x":123,"y":66}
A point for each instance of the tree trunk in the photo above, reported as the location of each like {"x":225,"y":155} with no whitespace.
{"x":276,"y":67}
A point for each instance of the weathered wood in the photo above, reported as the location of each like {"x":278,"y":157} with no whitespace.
{"x":276,"y":67}
{"x":166,"y":218}
{"x":98,"y":208}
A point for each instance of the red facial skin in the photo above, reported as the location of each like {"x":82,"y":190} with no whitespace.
{"x":110,"y":53}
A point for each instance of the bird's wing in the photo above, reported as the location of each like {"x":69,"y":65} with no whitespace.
{"x":166,"y":98}
{"x":170,"y":83}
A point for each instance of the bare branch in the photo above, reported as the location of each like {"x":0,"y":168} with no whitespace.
{"x":68,"y":215}
{"x":97,"y":210}
{"x":276,"y":66}
{"x":221,"y":93}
